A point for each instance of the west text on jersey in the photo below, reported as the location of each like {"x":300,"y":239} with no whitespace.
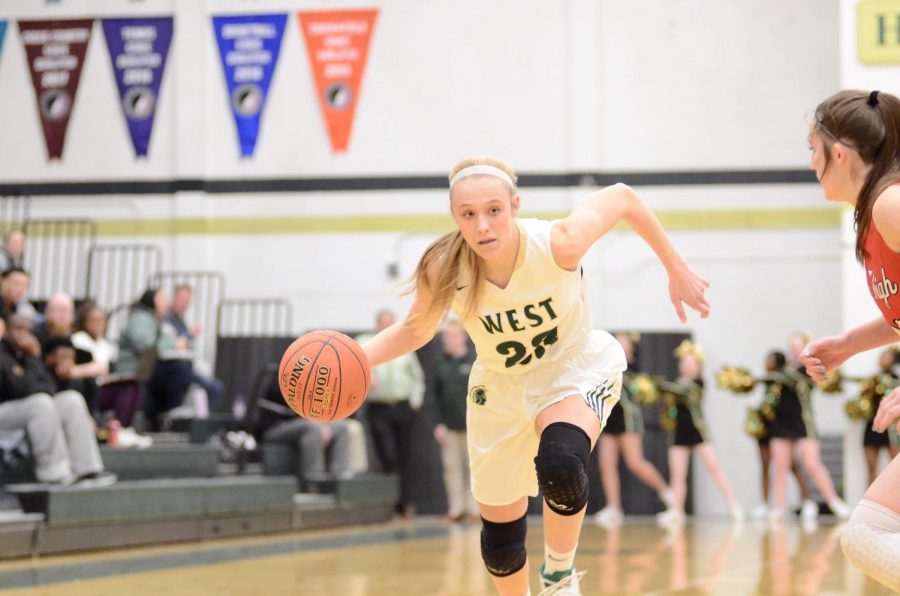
{"x":519,"y":319}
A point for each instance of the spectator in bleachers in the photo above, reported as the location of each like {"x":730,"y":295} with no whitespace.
{"x":181,"y":302}
{"x":59,"y":426}
{"x":59,"y":358}
{"x":14,"y":294}
{"x":120,"y":393}
{"x":90,"y":335}
{"x":398,"y":389}
{"x":13,"y":249}
{"x":59,"y":322}
{"x":140,"y":343}
{"x":59,"y":318}
{"x":321,"y":447}
{"x":146,"y":338}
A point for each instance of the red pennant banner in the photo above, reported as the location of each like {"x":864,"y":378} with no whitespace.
{"x":337,"y":43}
{"x":55,"y":51}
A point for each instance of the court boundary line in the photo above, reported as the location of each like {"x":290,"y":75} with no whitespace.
{"x":33,"y":577}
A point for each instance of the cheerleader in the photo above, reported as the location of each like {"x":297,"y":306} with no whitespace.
{"x":873,"y":391}
{"x":789,"y":410}
{"x":809,"y":511}
{"x":625,"y":431}
{"x":683,"y":414}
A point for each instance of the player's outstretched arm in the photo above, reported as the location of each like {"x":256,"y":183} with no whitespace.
{"x":597,"y":213}
{"x":825,"y":354}
{"x":405,"y":336}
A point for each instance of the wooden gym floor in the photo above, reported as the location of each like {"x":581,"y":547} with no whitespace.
{"x":708,"y":556}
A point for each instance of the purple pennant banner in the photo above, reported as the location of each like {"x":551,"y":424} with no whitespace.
{"x":138,"y":50}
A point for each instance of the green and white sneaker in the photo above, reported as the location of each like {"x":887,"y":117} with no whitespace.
{"x":561,"y":583}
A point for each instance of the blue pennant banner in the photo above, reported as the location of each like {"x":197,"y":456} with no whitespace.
{"x":2,"y":34}
{"x":249,"y":46}
{"x":138,"y":50}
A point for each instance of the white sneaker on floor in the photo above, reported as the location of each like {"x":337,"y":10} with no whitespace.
{"x":760,"y":512}
{"x":568,"y":585}
{"x":776,"y":516}
{"x":670,"y":518}
{"x":737,"y":513}
{"x":609,"y":517}
{"x":809,"y":511}
{"x":840,"y":509}
{"x":96,"y":480}
{"x":128,"y":438}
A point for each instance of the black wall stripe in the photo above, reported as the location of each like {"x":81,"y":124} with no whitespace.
{"x":371,"y":183}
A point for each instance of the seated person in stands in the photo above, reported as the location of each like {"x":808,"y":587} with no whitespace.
{"x":59,"y":357}
{"x":118,"y":392}
{"x":175,"y":323}
{"x":143,"y":332}
{"x":14,"y":293}
{"x":13,"y":249}
{"x":59,"y":426}
{"x":322,"y":447}
{"x":59,"y":322}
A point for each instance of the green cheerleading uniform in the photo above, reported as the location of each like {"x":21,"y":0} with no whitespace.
{"x":626,"y":416}
{"x":684,"y":401}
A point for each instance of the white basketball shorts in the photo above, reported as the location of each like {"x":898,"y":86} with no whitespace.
{"x":502,"y":408}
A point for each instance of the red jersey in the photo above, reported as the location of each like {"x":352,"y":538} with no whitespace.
{"x":883,"y":271}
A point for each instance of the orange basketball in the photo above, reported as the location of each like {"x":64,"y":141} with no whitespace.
{"x":324,"y":376}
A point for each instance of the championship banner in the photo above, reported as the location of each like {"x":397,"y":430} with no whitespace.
{"x":55,"y":52}
{"x":249,"y":47}
{"x":337,"y":43}
{"x":138,"y":50}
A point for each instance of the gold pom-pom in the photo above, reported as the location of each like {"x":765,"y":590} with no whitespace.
{"x":833,"y":382}
{"x":853,"y":411}
{"x":737,"y":380}
{"x":755,"y":424}
{"x":644,"y":389}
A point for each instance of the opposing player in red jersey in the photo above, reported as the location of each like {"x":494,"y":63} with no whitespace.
{"x":855,"y":144}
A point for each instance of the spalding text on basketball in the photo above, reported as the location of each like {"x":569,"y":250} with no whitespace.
{"x":295,"y":377}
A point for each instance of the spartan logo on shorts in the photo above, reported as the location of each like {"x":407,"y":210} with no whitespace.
{"x":596,"y":397}
{"x":478,"y":395}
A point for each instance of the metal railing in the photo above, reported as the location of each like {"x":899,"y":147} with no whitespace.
{"x":118,"y":273}
{"x":250,"y":335}
{"x":56,"y":256}
{"x":14,"y":212}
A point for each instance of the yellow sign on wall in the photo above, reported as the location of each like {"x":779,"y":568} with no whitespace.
{"x":878,"y":31}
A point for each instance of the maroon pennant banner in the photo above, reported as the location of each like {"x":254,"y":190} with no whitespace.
{"x":55,"y":52}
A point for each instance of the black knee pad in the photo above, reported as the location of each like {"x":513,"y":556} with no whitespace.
{"x":561,"y":466}
{"x":503,"y":546}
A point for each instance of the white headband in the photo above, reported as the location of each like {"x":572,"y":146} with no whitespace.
{"x":483,"y":171}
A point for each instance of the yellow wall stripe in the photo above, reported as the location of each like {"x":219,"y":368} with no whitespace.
{"x":700,"y":220}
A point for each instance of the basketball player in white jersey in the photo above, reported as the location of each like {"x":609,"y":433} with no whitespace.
{"x":544,"y":380}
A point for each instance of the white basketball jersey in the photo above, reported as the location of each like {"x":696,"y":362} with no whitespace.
{"x":541,"y":315}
